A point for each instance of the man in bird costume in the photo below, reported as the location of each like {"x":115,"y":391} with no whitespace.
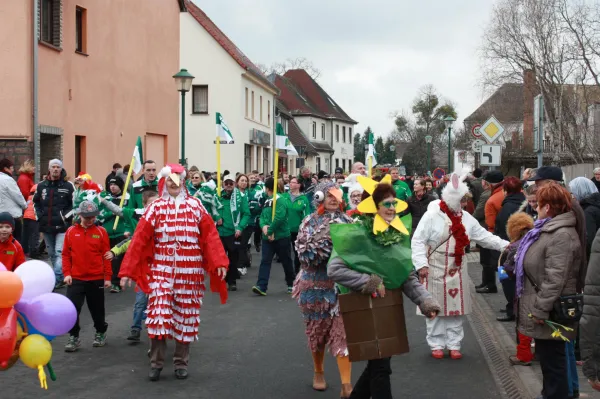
{"x":174,"y":247}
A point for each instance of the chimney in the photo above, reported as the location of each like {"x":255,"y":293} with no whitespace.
{"x":530,"y":90}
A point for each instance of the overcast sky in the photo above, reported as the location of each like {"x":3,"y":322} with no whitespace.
{"x":373,"y":56}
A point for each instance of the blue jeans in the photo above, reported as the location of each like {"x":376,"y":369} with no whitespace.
{"x":283,"y":249}
{"x":139,"y":310}
{"x":571,"y":367}
{"x":54,"y":245}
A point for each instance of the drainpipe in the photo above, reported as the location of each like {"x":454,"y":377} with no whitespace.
{"x":331,"y":153}
{"x":34,"y":90}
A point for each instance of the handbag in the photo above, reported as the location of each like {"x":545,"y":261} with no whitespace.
{"x":566,"y":309}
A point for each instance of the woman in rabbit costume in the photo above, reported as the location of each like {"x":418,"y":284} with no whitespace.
{"x":438,"y":248}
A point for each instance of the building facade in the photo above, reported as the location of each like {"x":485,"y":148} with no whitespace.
{"x":85,"y":78}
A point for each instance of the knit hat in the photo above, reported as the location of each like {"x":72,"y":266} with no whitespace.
{"x":6,"y":218}
{"x":118,"y":181}
{"x":88,"y":209}
{"x":5,"y":163}
{"x":55,"y":162}
{"x":494,"y":177}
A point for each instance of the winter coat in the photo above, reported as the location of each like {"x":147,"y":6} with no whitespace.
{"x":553,"y":263}
{"x":590,"y":321}
{"x":526,"y":208}
{"x":476,"y":189}
{"x":279,"y":225}
{"x":30,"y":211}
{"x":596,"y":182}
{"x":510,"y":205}
{"x":83,"y":254}
{"x":25,"y":182}
{"x":135,"y":194}
{"x":299,"y":208}
{"x":227,"y":227}
{"x":53,"y":200}
{"x":402,"y":190}
{"x":479,"y":213}
{"x":591,"y":210}
{"x":256,"y":199}
{"x":11,"y":199}
{"x":493,"y":206}
{"x":418,"y":207}
{"x":107,"y":217}
{"x":11,"y":254}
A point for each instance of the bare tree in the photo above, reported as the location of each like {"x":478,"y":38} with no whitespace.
{"x":281,"y":68}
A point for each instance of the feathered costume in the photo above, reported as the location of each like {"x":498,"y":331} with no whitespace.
{"x":175,"y":244}
{"x":314,"y":291}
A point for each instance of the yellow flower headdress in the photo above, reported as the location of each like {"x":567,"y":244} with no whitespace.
{"x":369,"y":206}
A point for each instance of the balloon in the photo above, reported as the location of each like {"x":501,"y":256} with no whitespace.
{"x":31,"y":330}
{"x":37,"y":277}
{"x":8,"y":335}
{"x":11,"y":288}
{"x":2,"y":267}
{"x":51,"y":314}
{"x":36,"y":352}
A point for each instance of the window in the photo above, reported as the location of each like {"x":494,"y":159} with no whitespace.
{"x":327,"y":169}
{"x":80,"y":30}
{"x":50,"y":22}
{"x":343,"y":134}
{"x":246,"y":103}
{"x":344,"y":164}
{"x":337,"y":162}
{"x":247,"y":158}
{"x":265,"y":160}
{"x":322,"y":131}
{"x":350,"y":135}
{"x":260,"y":109}
{"x":349,"y":164}
{"x":318,"y":164}
{"x":269,"y":113}
{"x":200,"y":99}
{"x":337,"y":133}
{"x":252,"y":104}
{"x":314,"y":130}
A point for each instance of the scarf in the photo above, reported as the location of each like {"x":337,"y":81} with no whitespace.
{"x":527,"y":241}
{"x":457,"y":229}
{"x":235,"y":203}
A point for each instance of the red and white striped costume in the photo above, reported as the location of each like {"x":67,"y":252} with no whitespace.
{"x":174,"y":246}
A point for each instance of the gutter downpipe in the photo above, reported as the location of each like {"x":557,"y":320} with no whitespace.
{"x":331,"y":153}
{"x":35,"y":124}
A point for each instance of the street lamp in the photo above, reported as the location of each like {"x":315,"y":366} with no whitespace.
{"x":428,"y":140}
{"x":183,"y":80}
{"x":449,"y":121}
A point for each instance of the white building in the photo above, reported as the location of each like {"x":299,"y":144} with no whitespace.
{"x":226,"y":81}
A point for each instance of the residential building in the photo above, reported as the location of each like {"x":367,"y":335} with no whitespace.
{"x":82,"y":79}
{"x":227,"y":82}
{"x":319,"y":118}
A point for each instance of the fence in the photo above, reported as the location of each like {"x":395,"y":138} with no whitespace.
{"x":580,"y":170}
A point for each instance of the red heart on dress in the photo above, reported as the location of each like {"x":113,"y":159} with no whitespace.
{"x":452,"y":272}
{"x":453,"y":292}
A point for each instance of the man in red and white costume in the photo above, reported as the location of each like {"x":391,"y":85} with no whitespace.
{"x":174,"y":246}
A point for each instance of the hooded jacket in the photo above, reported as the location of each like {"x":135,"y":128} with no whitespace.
{"x":591,"y":210}
{"x":83,"y":254}
{"x":25,"y":182}
{"x":11,"y":254}
{"x":11,"y":199}
{"x":53,"y":200}
{"x":510,"y":205}
{"x":590,"y":320}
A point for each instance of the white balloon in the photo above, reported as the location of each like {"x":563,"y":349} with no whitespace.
{"x":38,"y":278}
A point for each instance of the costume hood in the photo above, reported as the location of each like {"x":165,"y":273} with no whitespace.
{"x":454,"y":191}
{"x":177,"y":173}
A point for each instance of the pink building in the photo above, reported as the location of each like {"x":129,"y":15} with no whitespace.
{"x":98,"y":74}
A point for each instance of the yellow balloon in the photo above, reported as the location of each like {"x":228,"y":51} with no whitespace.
{"x":35,"y":351}
{"x":20,"y":333}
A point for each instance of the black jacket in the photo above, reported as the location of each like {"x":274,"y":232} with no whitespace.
{"x":591,"y":210}
{"x":510,"y":205}
{"x":589,"y":326}
{"x":417,"y":208}
{"x":53,"y":200}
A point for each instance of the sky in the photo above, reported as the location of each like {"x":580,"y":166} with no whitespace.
{"x":373,"y":56}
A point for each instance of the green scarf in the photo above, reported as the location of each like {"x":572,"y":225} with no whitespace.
{"x":235,"y":206}
{"x":387,"y":255}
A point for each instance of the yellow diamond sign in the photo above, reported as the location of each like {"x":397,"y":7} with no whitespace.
{"x":491,"y":130}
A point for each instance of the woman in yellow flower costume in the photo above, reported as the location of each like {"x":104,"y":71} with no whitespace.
{"x":372,"y":256}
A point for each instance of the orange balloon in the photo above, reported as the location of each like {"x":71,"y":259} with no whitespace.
{"x":11,"y":289}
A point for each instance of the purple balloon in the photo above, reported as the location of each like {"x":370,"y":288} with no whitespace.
{"x":51,"y":314}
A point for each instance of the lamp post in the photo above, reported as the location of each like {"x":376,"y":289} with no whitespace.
{"x":183,"y":80}
{"x":449,"y":121}
{"x":428,"y":140}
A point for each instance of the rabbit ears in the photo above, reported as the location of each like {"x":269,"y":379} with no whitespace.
{"x":455,"y":179}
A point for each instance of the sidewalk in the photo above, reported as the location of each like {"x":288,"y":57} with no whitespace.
{"x":491,"y":304}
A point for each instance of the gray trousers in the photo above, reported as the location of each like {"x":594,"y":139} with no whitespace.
{"x":158,"y":347}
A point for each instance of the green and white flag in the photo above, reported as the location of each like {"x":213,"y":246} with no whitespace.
{"x":372,"y":152}
{"x":138,"y":158}
{"x":223,"y":132}
{"x":282,"y":142}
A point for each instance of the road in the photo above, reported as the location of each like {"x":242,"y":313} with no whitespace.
{"x":253,"y":347}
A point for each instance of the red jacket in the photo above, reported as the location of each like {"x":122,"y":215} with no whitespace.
{"x":493,"y":206}
{"x":11,"y":254}
{"x":25,"y":182}
{"x":83,"y":254}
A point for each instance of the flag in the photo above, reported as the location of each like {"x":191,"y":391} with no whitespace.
{"x":223,"y":132}
{"x":138,"y":158}
{"x":372,"y":152}
{"x":282,"y":142}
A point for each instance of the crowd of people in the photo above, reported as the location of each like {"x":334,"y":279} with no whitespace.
{"x":173,"y":233}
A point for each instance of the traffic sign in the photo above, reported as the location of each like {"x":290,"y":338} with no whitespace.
{"x":491,"y":130}
{"x":439,"y":173}
{"x":462,"y":155}
{"x":476,"y":131}
{"x":476,"y":145}
{"x":491,"y":155}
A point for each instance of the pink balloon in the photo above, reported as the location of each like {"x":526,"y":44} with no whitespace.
{"x":51,"y":314}
{"x":3,"y":268}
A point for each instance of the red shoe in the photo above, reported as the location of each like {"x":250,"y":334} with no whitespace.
{"x":455,"y":355}
{"x":437,"y":354}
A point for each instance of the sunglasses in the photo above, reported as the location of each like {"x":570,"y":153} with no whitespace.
{"x":389,"y":204}
{"x":228,"y":183}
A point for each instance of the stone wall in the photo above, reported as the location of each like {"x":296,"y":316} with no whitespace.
{"x":17,"y":151}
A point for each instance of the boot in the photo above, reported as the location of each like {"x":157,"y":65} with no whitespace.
{"x":346,"y":391}
{"x":319,"y":383}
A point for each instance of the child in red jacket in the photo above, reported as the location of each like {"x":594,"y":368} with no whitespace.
{"x":86,"y":271}
{"x":11,"y":252}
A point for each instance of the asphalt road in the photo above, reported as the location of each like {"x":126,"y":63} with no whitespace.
{"x":253,"y":347}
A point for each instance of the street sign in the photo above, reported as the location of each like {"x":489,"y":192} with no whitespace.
{"x":439,"y":173}
{"x":476,"y":131}
{"x":538,"y":124}
{"x":476,"y":145}
{"x":223,"y":142}
{"x":462,"y":155}
{"x":491,"y":155}
{"x":491,"y":130}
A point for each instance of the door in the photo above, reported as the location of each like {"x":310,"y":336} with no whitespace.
{"x":155,"y":149}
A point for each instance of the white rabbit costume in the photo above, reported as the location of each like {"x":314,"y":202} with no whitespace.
{"x":433,"y":246}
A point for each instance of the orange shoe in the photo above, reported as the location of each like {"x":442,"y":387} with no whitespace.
{"x":437,"y":354}
{"x":455,"y":355}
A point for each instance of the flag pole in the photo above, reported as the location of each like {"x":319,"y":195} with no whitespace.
{"x":124,"y":192}
{"x":275,"y":173}
{"x":218,"y":165}
{"x":370,"y":163}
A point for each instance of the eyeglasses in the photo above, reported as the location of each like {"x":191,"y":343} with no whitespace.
{"x":228,"y":183}
{"x":196,"y":178}
{"x":389,"y":204}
